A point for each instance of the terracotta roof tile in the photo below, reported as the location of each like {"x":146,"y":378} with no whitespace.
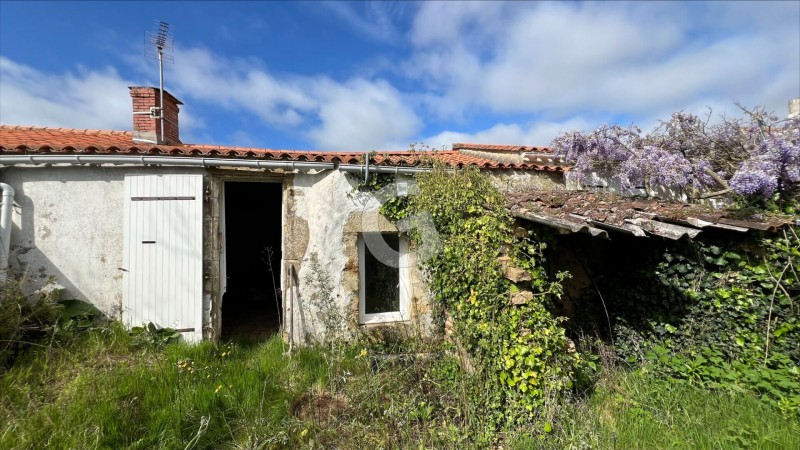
{"x":37,"y":140}
{"x":500,"y":148}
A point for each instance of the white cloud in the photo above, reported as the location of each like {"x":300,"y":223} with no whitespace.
{"x":534,"y":134}
{"x":451,"y":23}
{"x":358,"y":113}
{"x":619,"y":58}
{"x":82,"y":99}
{"x":242,"y":138}
{"x":373,"y":20}
{"x":238,"y":84}
{"x":470,"y":64}
{"x":361,"y":115}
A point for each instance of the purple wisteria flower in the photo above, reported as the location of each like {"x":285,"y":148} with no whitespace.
{"x":657,"y":166}
{"x":758,"y":157}
{"x":755,"y":176}
{"x":602,"y":150}
{"x":774,"y":161}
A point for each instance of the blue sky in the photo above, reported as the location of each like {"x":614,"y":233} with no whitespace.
{"x":383,"y":75}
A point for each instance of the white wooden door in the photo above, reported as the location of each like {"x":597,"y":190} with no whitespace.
{"x":163,"y":252}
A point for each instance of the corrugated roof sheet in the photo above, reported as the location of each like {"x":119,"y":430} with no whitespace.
{"x":42,"y":140}
{"x":572,"y":211}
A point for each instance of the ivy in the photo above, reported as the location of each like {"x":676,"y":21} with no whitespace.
{"x":521,"y":348}
{"x":721,"y":313}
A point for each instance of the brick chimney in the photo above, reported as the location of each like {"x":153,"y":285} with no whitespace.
{"x":146,"y":125}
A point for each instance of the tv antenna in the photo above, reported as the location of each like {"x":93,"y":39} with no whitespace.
{"x":159,"y":45}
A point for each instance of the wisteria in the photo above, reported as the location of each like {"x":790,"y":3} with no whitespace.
{"x":757,"y":155}
{"x":603,"y":150}
{"x":755,"y":176}
{"x":773,"y":163}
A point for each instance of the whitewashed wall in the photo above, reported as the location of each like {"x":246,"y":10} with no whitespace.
{"x":68,"y":226}
{"x":614,"y":185}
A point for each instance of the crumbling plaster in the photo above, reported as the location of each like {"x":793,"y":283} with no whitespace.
{"x":324,"y":218}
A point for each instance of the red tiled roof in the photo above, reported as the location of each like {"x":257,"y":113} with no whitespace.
{"x":34,"y":137}
{"x":39,"y":140}
{"x":500,"y":148}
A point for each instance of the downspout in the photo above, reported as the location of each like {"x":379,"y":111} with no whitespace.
{"x":366,"y":168}
{"x":5,"y":228}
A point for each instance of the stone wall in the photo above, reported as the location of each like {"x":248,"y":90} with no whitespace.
{"x":525,"y":181}
{"x":325,"y":216}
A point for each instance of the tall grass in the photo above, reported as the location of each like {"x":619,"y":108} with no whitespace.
{"x":102,"y":390}
{"x":635,"y":410}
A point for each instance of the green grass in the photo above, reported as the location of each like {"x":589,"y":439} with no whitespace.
{"x":102,"y":391}
{"x":634,"y":410}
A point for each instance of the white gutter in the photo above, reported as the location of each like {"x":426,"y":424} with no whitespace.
{"x":5,"y":228}
{"x":363,"y":168}
{"x":11,"y":160}
{"x":160,"y":160}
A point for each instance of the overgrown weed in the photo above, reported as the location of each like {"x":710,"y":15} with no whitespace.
{"x":639,"y":410}
{"x":103,"y":391}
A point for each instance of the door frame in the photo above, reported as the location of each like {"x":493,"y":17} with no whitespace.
{"x":220,"y":179}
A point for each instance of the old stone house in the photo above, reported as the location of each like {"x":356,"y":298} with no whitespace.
{"x":214,"y":240}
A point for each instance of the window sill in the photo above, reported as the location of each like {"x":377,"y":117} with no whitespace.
{"x":382,"y":321}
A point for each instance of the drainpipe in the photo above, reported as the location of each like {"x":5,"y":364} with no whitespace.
{"x":5,"y":229}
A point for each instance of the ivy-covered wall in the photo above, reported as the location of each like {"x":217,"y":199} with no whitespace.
{"x":722,"y":310}
{"x":492,"y":281}
{"x":537,"y":311}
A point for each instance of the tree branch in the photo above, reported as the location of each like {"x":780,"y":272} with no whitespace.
{"x":716,"y":177}
{"x":716,"y":194}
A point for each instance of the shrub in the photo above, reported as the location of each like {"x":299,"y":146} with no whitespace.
{"x":27,"y":320}
{"x":23,"y":320}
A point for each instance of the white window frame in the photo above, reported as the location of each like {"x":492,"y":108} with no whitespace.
{"x":405,"y":287}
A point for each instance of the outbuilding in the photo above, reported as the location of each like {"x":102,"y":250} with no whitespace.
{"x":217,"y":241}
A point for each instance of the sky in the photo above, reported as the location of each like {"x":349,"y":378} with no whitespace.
{"x":362,"y":76}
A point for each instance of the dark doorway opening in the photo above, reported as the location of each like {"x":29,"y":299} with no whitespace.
{"x":251,"y":304}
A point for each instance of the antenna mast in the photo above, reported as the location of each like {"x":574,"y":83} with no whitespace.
{"x":160,"y":42}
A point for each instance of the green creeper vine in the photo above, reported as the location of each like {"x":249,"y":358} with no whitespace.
{"x":520,"y":347}
{"x":721,"y":312}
